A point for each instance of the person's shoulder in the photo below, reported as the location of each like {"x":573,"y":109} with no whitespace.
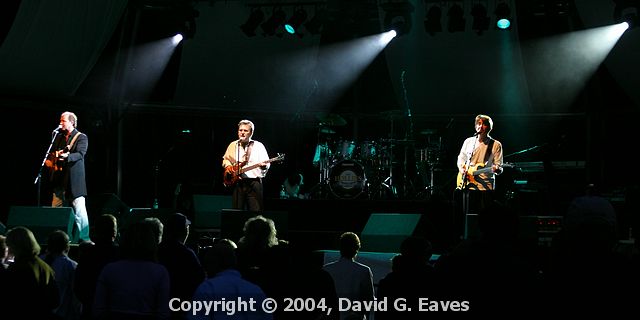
{"x":362,"y":266}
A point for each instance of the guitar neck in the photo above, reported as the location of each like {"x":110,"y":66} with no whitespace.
{"x":481,"y":171}
{"x":253,"y":166}
{"x":489,"y":169}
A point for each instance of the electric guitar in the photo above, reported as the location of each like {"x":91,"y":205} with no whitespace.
{"x":468,"y":177}
{"x":232,"y":174}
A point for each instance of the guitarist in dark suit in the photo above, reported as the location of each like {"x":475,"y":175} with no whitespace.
{"x":243,"y":153}
{"x":479,"y":161}
{"x":66,"y":164}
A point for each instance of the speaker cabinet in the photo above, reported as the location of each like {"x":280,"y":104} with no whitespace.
{"x":106,"y":203}
{"x":208,"y":210}
{"x":384,"y":232}
{"x":43,"y":220}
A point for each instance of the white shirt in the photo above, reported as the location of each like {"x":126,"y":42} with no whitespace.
{"x":257,"y":155}
{"x":475,"y":151}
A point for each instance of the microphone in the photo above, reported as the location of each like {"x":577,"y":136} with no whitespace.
{"x":56,"y":130}
{"x":476,"y":133}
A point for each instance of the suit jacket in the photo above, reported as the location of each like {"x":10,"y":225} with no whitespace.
{"x":72,"y":177}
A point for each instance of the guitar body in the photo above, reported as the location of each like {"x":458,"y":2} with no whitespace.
{"x":463,"y":180}
{"x":468,"y":178}
{"x":232,"y":174}
{"x":54,"y":162}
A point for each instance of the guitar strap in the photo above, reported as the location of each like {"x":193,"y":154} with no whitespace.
{"x":248,"y":154}
{"x":73,"y":140}
{"x":489,"y":150}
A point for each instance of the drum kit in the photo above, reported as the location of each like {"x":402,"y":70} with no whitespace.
{"x":350,"y":169}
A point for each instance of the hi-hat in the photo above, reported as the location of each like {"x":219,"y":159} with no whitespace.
{"x":326,"y":130}
{"x":331,"y":119}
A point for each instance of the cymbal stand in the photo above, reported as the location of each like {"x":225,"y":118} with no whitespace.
{"x":432,"y":161}
{"x":321,"y":190}
{"x":388,"y":181}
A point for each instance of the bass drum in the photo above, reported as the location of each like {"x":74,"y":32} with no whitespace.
{"x":347,"y":179}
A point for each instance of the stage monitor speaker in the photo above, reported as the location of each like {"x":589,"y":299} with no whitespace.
{"x":384,"y":232}
{"x":208,"y":210}
{"x":106,"y":203}
{"x":232,"y":222}
{"x":43,"y":220}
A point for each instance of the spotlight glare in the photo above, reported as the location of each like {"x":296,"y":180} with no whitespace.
{"x":503,"y":16}
{"x":386,"y":37}
{"x":503,"y":23}
{"x":293,"y":25}
{"x":176,"y":39}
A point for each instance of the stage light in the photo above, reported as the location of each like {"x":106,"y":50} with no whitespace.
{"x":627,"y":11}
{"x":432,"y":23}
{"x":398,"y":16}
{"x":176,"y":39}
{"x":296,"y":20}
{"x":276,"y":20}
{"x":456,"y":18}
{"x":503,"y":16}
{"x":314,"y":25}
{"x":480,"y":19}
{"x":255,"y":18}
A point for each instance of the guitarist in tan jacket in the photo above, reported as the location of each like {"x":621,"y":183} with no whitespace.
{"x":245,"y":163}
{"x":479,"y":161}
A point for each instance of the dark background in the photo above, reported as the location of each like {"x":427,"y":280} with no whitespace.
{"x":91,"y":58}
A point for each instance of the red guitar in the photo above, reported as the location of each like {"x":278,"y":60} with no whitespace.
{"x":232,"y":174}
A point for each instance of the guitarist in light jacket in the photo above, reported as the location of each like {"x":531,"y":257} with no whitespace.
{"x":247,"y":184}
{"x":479,"y":161}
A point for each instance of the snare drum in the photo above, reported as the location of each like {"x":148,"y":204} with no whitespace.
{"x":367,"y":150}
{"x":347,"y":179}
{"x":344,"y":150}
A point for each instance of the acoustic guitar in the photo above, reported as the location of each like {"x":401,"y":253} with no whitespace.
{"x":55,"y":161}
{"x":468,"y":178}
{"x":232,"y":174}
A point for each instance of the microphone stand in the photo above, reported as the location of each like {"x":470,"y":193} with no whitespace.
{"x":156,"y":178}
{"x":235,"y":193}
{"x":466,"y":196}
{"x":38,"y":179}
{"x":408,"y":135}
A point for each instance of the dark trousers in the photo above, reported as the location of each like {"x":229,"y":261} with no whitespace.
{"x":248,"y":195}
{"x":467,"y":205}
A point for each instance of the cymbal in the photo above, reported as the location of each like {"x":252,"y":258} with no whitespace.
{"x":405,"y":141}
{"x":427,"y":132}
{"x":326,"y":130}
{"x":391,"y":114}
{"x":398,"y":141}
{"x":331,"y":119}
